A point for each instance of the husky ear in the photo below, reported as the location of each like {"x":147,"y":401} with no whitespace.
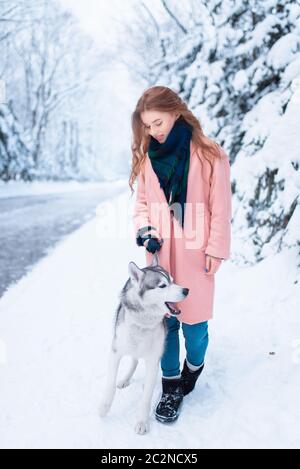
{"x":154,"y":260}
{"x":135,"y":272}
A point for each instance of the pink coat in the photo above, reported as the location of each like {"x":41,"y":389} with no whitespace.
{"x":207,"y":229}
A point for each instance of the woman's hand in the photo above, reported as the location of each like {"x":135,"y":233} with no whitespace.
{"x":212,"y":264}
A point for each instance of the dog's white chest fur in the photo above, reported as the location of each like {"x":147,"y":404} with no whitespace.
{"x":139,"y":342}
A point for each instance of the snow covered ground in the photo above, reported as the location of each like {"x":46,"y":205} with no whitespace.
{"x":18,"y":188}
{"x":55,"y":332}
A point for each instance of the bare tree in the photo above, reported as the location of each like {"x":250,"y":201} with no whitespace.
{"x":48,"y":66}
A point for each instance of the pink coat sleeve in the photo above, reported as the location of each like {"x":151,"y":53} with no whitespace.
{"x":220,"y":207}
{"x":141,"y":217}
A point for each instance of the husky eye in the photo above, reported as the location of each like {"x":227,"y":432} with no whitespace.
{"x":162,"y":286}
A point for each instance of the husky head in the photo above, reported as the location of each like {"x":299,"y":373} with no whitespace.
{"x":155,"y":288}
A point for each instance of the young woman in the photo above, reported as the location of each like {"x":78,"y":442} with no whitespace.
{"x":182,"y":210}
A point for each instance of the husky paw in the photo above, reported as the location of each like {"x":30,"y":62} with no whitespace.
{"x":103,"y":409}
{"x":142,"y":427}
{"x":123,"y":383}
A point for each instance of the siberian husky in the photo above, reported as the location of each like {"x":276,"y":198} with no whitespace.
{"x":140,"y":331}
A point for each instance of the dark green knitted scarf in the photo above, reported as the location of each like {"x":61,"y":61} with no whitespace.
{"x":171,"y":160}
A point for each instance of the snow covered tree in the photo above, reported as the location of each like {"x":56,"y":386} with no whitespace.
{"x":237,"y":65}
{"x":51,"y":70}
{"x":15,"y":160}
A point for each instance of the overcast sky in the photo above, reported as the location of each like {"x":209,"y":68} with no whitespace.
{"x":97,"y":16}
{"x":119,"y":90}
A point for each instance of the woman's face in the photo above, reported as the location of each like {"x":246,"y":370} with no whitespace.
{"x":158,"y":123}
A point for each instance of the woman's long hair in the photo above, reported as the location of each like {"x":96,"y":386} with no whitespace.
{"x":162,"y":98}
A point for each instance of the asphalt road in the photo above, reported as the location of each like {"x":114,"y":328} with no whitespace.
{"x":30,"y":225}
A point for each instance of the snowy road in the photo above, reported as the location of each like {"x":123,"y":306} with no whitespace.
{"x":31,"y":225}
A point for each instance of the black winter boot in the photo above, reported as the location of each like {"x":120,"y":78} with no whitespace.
{"x":189,"y":378}
{"x":170,"y":402}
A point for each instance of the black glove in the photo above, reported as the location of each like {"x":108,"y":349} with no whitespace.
{"x":153,"y":244}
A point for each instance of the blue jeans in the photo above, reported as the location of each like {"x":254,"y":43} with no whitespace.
{"x":196,"y":342}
